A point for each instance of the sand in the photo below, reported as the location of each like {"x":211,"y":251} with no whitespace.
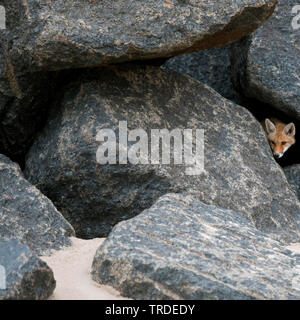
{"x":71,"y":267}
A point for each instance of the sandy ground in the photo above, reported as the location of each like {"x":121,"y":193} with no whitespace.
{"x":71,"y":267}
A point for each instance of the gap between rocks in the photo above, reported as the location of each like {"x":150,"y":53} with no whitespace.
{"x":262,"y":111}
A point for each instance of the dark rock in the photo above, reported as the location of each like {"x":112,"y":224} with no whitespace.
{"x":266,"y":65}
{"x":181,"y":248}
{"x":27,"y":215}
{"x":24,"y":101}
{"x":25,"y":276}
{"x":292,"y":174}
{"x":240,"y":172}
{"x":58,"y":34}
{"x":212,"y":67}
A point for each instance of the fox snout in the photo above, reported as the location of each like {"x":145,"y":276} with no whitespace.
{"x":281,"y":136}
{"x":278,"y":155}
{"x":279,"y":148}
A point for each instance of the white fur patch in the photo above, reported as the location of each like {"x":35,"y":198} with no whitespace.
{"x":285,"y":149}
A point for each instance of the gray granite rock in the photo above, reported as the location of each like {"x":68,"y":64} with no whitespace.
{"x":57,"y":34}
{"x":181,"y":248}
{"x":27,"y":215}
{"x":266,"y":66}
{"x":23,"y":276}
{"x":293,"y":176}
{"x":240,"y":172}
{"x":212,"y":67}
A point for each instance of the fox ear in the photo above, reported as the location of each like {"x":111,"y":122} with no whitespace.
{"x":290,"y":129}
{"x":270,"y":126}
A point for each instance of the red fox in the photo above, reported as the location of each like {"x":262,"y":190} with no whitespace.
{"x":281,"y":136}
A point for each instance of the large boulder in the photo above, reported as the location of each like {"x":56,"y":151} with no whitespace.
{"x":293,"y":176}
{"x":58,"y":34}
{"x":27,"y":215}
{"x":240,"y":172}
{"x":266,"y":65}
{"x":212,"y":67}
{"x":23,"y":276}
{"x":181,"y":248}
{"x":24,"y":101}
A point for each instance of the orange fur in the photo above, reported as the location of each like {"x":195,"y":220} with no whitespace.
{"x":281,"y":136}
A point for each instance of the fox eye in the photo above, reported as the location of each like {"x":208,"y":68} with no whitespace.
{"x":283,"y":143}
{"x":273,"y":143}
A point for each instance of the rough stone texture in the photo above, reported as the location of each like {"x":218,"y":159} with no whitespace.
{"x":240,"y":172}
{"x":293,"y":176}
{"x":266,"y":66}
{"x":23,"y":105}
{"x":181,"y":248}
{"x":27,"y":277}
{"x":212,"y":67}
{"x":57,"y":34}
{"x":27,"y":215}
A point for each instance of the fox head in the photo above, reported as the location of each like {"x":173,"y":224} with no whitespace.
{"x":281,"y":136}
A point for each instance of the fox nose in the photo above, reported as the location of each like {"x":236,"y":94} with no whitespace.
{"x":278,"y":155}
